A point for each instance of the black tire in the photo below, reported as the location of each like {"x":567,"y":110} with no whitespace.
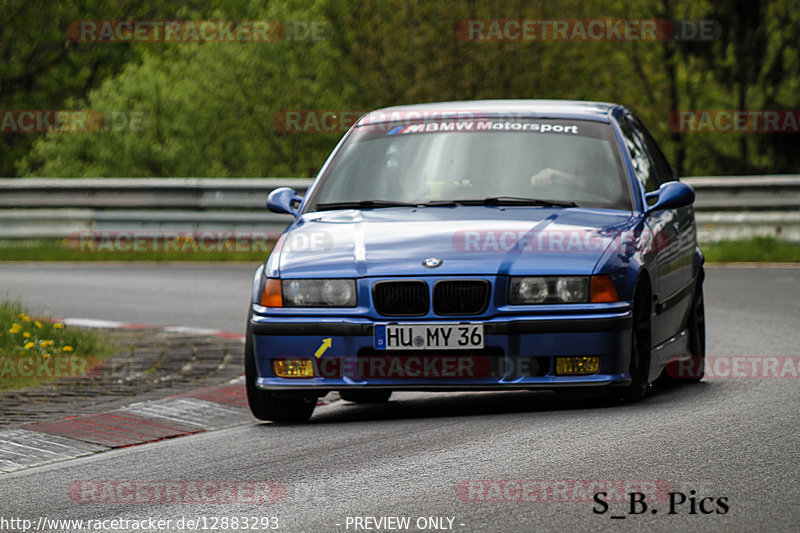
{"x":639,"y":368}
{"x":697,"y":334}
{"x":692,"y":371}
{"x":366,"y":396}
{"x":264,"y":404}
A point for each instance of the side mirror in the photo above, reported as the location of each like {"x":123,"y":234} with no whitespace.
{"x":671,"y":195}
{"x":284,"y":200}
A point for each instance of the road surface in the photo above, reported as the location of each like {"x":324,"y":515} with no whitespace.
{"x":353,"y":467}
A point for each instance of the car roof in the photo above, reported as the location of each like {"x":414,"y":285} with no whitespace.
{"x":570,"y":109}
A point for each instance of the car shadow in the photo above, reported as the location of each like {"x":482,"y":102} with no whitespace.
{"x":467,"y":404}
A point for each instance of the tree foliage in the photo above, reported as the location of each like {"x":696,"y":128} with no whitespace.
{"x":43,"y":69}
{"x":209,"y":109}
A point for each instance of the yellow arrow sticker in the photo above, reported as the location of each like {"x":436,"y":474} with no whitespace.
{"x":326,"y":343}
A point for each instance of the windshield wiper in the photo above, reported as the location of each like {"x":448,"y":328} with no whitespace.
{"x":439,"y":203}
{"x":516,"y":200}
{"x":362,"y":204}
{"x":494,"y":200}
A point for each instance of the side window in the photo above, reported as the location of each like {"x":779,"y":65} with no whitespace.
{"x":663,"y":170}
{"x":642,"y":166}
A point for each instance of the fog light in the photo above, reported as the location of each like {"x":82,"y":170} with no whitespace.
{"x":293,"y":368}
{"x":577,"y":365}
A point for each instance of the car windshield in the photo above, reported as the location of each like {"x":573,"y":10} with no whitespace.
{"x":565,"y":162}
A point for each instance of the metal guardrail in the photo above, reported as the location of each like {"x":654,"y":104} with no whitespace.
{"x":739,"y":207}
{"x":195,"y":194}
{"x":63,"y":207}
{"x":727,"y":207}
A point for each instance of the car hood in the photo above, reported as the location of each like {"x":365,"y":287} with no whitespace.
{"x":467,"y":240}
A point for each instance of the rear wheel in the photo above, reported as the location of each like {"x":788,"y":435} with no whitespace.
{"x":639,"y":368}
{"x":366,"y":396}
{"x":697,"y":334}
{"x":265,"y":405}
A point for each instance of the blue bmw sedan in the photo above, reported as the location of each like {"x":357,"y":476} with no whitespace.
{"x":485,"y":245}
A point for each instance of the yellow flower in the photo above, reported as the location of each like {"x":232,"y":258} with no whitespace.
{"x":47,"y":343}
{"x":58,"y":326}
{"x":30,"y":345}
{"x":26,"y":334}
{"x":37,"y":324}
{"x":24,"y":317}
{"x":46,"y":356}
{"x":67,"y":348}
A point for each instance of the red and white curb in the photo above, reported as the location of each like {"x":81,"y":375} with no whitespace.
{"x":22,"y":448}
{"x":49,"y":441}
{"x":203,"y":409}
{"x":111,"y":324}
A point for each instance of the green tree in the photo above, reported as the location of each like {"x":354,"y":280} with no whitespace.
{"x":209,"y":107}
{"x":43,"y":69}
{"x":208,"y":110}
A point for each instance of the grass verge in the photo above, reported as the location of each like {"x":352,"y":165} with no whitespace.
{"x":184,"y":249}
{"x":34,"y":351}
{"x":755,"y":250}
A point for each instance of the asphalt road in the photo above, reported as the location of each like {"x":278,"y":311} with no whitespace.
{"x":723,"y":438}
{"x":204,"y":296}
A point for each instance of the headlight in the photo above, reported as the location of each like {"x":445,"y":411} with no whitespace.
{"x":319,"y":293}
{"x":548,"y":290}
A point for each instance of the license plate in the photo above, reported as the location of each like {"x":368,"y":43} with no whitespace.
{"x":428,"y":336}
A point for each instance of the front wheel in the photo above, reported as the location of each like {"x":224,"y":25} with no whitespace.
{"x":639,"y":368}
{"x":265,"y":405}
{"x":693,"y":368}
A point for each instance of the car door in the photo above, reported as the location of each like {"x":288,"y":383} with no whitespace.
{"x":662,"y":254}
{"x":675,"y":241}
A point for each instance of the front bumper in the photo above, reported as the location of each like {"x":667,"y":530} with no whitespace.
{"x":519,"y":353}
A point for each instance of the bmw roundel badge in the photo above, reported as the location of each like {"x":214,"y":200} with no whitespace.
{"x":432,"y":262}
